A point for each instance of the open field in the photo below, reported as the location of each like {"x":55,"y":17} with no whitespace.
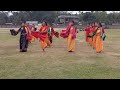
{"x":56,"y":62}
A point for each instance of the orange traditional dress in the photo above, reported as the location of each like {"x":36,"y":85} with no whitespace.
{"x":71,"y":39}
{"x":70,"y":34}
{"x":99,"y":41}
{"x":33,"y":38}
{"x":94,"y":38}
{"x":45,"y":40}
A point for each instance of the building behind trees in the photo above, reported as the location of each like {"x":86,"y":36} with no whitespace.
{"x":65,"y":19}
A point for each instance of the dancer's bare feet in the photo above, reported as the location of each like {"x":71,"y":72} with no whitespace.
{"x":70,"y":51}
{"x":43,"y":50}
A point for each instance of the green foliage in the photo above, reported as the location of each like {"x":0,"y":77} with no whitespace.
{"x":3,"y":18}
{"x":23,"y":16}
{"x":51,"y":16}
{"x":100,"y":16}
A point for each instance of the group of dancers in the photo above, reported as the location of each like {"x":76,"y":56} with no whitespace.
{"x":29,"y":34}
{"x":45,"y":33}
{"x":95,"y":35}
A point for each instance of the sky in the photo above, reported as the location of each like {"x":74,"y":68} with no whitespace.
{"x":74,"y":12}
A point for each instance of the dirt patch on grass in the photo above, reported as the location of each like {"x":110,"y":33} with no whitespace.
{"x":113,"y":54}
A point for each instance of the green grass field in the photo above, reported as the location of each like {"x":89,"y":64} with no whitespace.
{"x":56,"y":62}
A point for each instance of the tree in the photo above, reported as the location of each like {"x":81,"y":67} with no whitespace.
{"x":3,"y":18}
{"x":89,"y":17}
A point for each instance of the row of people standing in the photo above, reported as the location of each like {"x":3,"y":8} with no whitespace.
{"x":95,"y":35}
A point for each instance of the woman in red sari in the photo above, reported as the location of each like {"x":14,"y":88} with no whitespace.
{"x":44,"y":36}
{"x":99,"y":39}
{"x":90,"y":32}
{"x":70,"y":34}
{"x":87,"y":32}
{"x":95,"y":27}
{"x":33,"y":30}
